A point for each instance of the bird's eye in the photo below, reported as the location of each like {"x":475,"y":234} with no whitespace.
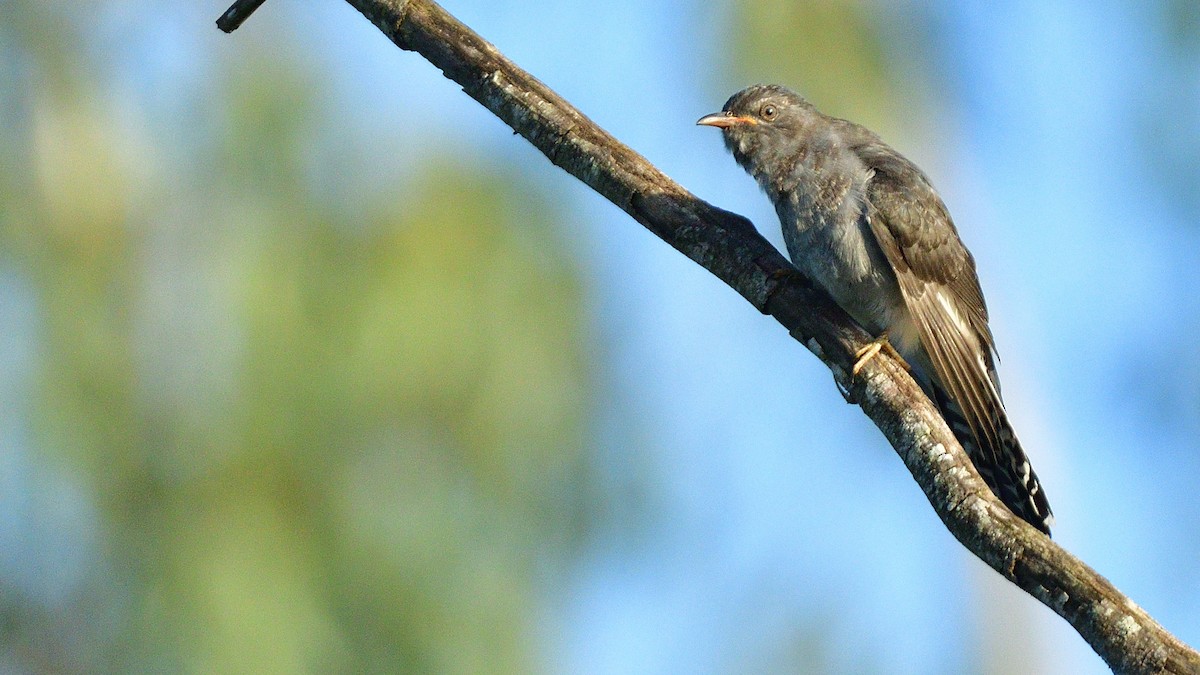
{"x":768,"y":112}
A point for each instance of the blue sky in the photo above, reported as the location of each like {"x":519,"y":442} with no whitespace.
{"x":776,"y":502}
{"x":765,"y":502}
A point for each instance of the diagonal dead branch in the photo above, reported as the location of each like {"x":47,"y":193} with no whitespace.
{"x":238,"y":12}
{"x":727,"y":245}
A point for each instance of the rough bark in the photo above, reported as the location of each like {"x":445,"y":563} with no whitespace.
{"x":726,"y":244}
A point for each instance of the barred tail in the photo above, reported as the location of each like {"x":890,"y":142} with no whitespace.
{"x":1003,"y":464}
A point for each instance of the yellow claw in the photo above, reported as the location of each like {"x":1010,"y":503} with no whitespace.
{"x":871,"y":350}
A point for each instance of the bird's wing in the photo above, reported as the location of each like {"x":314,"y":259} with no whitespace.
{"x":937,"y":279}
{"x":940,"y":287}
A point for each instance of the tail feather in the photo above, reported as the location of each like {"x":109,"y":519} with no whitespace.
{"x":1003,"y":464}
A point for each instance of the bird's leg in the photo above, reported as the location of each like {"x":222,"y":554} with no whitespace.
{"x":872,"y":349}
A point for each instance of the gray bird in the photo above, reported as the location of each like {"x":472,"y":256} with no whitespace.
{"x":866,"y":225}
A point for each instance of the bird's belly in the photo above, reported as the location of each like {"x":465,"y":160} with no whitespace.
{"x":878,"y":307}
{"x":851,"y":269}
{"x":875,"y":303}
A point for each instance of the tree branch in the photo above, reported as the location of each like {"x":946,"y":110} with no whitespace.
{"x":727,"y":245}
{"x":238,"y":12}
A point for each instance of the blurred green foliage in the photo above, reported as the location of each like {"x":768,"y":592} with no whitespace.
{"x":314,"y":441}
{"x":831,"y":51}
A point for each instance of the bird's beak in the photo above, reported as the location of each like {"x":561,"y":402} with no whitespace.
{"x":724,"y":120}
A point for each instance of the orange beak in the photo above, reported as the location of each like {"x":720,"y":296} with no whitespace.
{"x":724,"y":120}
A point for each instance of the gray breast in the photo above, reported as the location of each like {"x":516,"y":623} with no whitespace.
{"x":828,"y":238}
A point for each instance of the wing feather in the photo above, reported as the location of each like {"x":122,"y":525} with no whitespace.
{"x":940,"y":288}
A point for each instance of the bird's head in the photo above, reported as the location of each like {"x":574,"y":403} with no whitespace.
{"x":762,"y":124}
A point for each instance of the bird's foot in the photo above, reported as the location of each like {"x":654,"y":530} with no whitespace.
{"x":872,"y":349}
